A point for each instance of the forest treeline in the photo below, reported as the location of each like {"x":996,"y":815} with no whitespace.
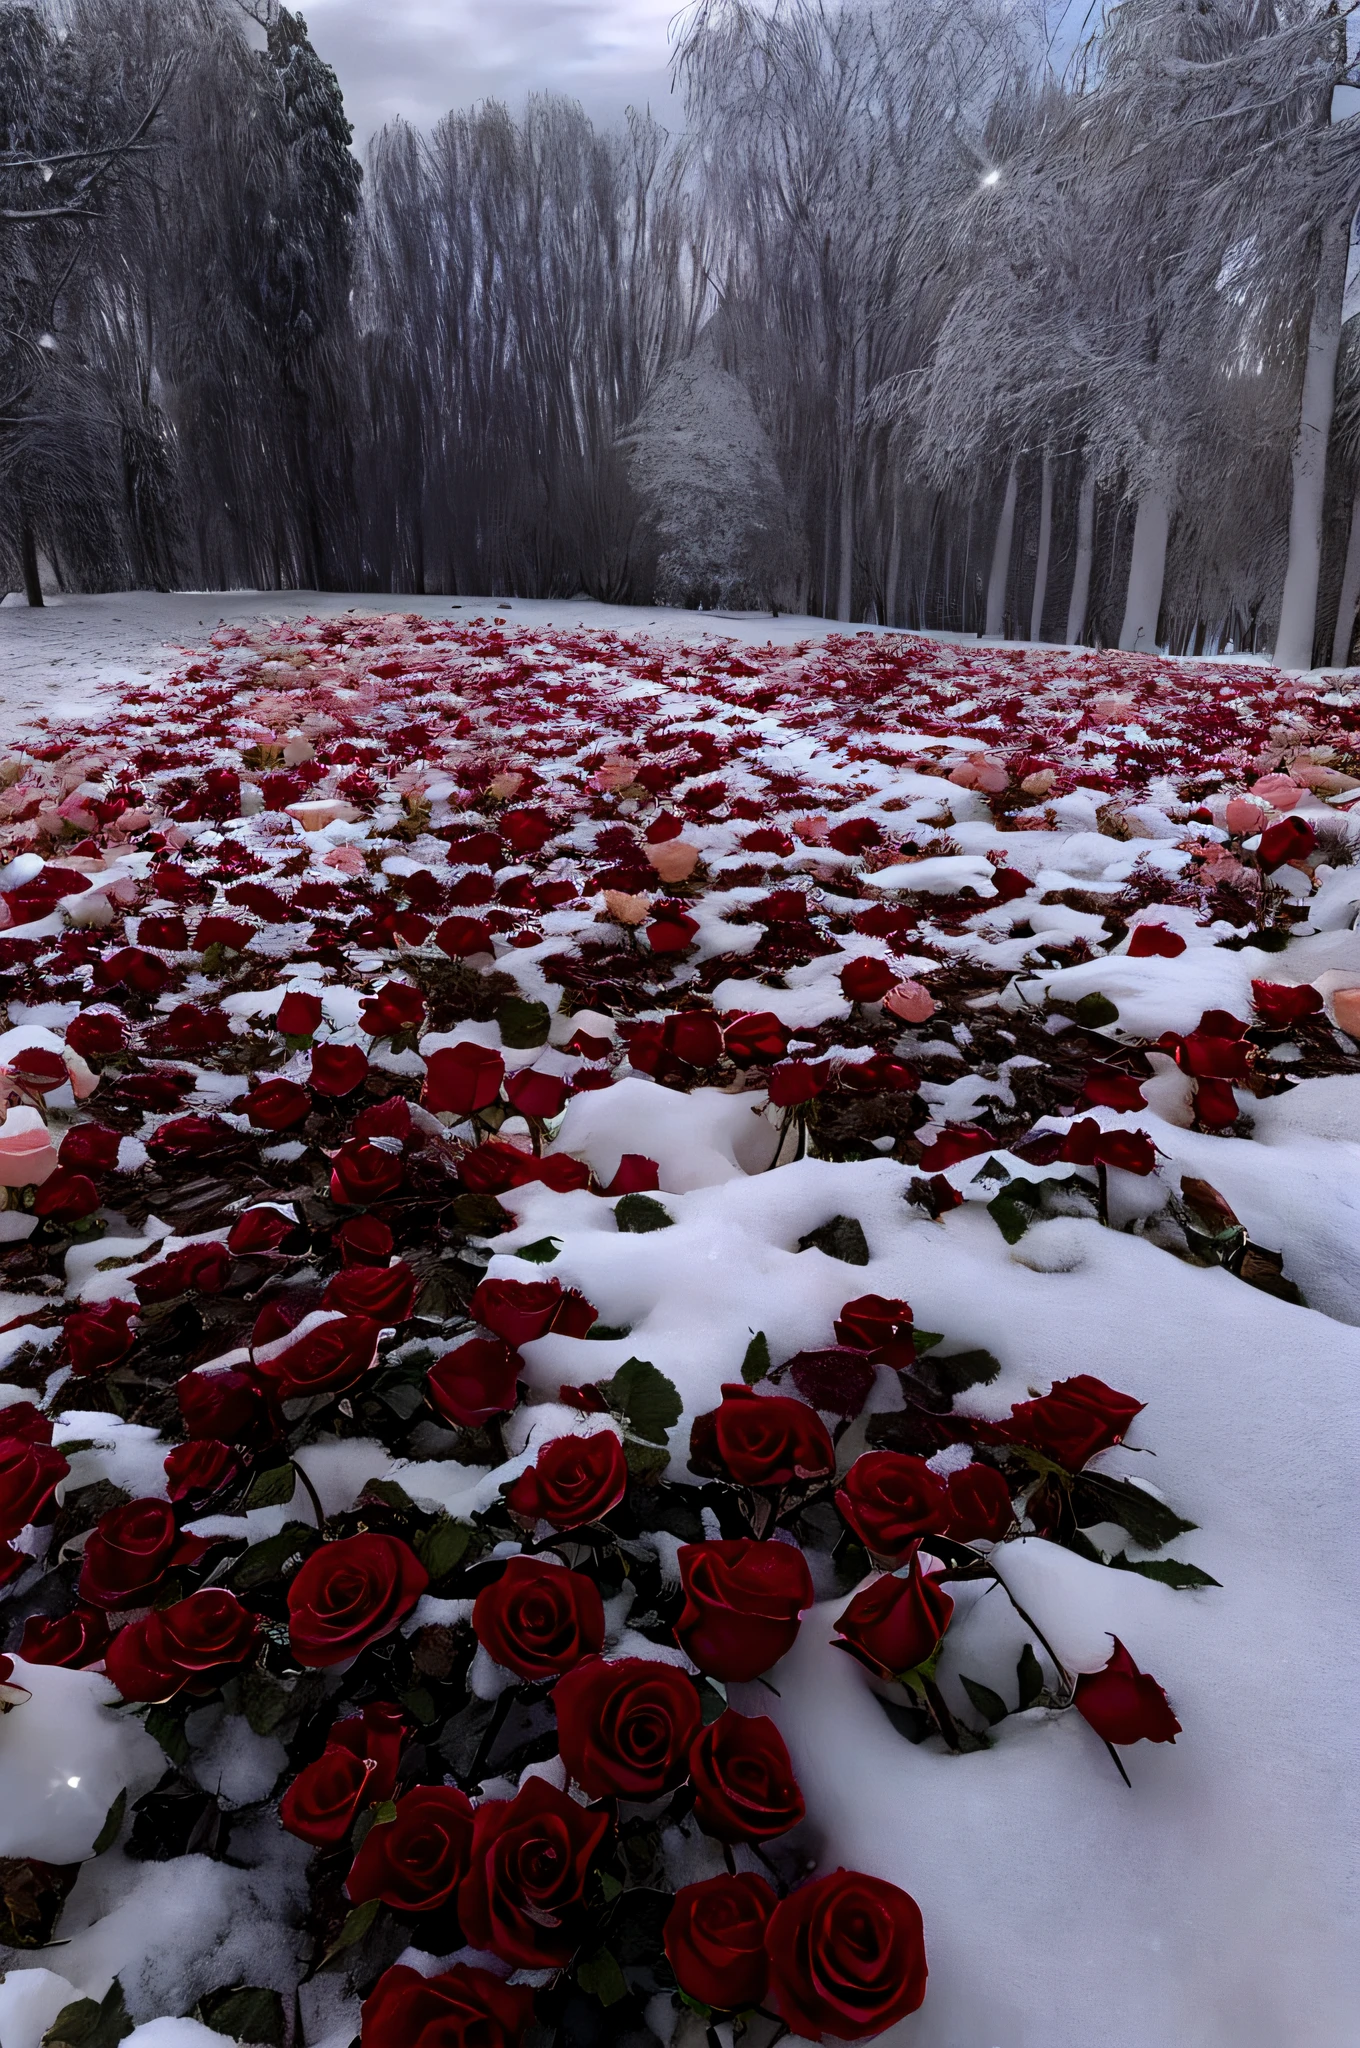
{"x":905,"y":321}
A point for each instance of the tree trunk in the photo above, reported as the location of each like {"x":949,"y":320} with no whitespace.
{"x":1350,"y":593}
{"x":1001,"y":557}
{"x":1147,"y":571}
{"x":846,"y":584}
{"x":1086,"y":548}
{"x":1298,"y":605}
{"x":891,"y":607}
{"x":28,"y":556}
{"x":1036,"y":610}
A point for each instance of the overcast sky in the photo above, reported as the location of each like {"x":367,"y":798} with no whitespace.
{"x":421,"y":57}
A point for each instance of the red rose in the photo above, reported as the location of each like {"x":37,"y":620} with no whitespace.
{"x":188,"y":1029}
{"x":128,"y":1553}
{"x":189,"y":1137}
{"x":475,"y":1381}
{"x":538,"y":1620}
{"x":396,"y":1006}
{"x":198,"y":1469}
{"x":1124,"y":1704}
{"x":853,"y":835}
{"x":325,"y":1354}
{"x":744,"y":1786}
{"x":743,"y":1604}
{"x":154,"y":1659}
{"x":1288,"y":839}
{"x":1155,"y":942}
{"x":364,"y":1241}
{"x":847,"y":1957}
{"x":979,"y":1505}
{"x":350,"y":1594}
{"x":29,"y":1476}
{"x":461,"y":936}
{"x":383,"y":1293}
{"x":417,"y":1861}
{"x":881,"y":1325}
{"x":637,"y":1175}
{"x":889,"y":1499}
{"x":755,"y":1035}
{"x":534,"y":1094}
{"x":1106,"y":1088}
{"x":796,"y":1082}
{"x":89,"y":1147}
{"x":227,"y":1405}
{"x":99,"y":1337}
{"x":169,"y":931}
{"x":65,"y":1197}
{"x":320,"y":1805}
{"x":893,"y":1624}
{"x":144,"y":973}
{"x":195,"y":1267}
{"x":715,"y":1941}
{"x":258,"y":1232}
{"x":277,"y":1105}
{"x":694,"y":1036}
{"x":22,"y":1420}
{"x":575,"y":1480}
{"x":377,"y":1735}
{"x":463,"y":1078}
{"x":954,"y":1144}
{"x":866,"y":980}
{"x":299,"y":1014}
{"x":625,"y":1728}
{"x":1074,"y":1420}
{"x":1281,"y":1005}
{"x":390,"y":1118}
{"x":881,"y":1075}
{"x":521,"y":1310}
{"x":75,"y":1639}
{"x":361,"y":1172}
{"x":526,"y":831}
{"x":1215,"y":1104}
{"x":97,"y":1034}
{"x":768,"y":1440}
{"x":337,"y":1069}
{"x":531,"y":1856}
{"x":671,"y":931}
{"x":461,"y":2008}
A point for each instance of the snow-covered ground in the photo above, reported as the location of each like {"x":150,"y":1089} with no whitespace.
{"x":1213,"y":1903}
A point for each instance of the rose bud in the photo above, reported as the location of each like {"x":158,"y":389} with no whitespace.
{"x":537,"y":1095}
{"x":768,"y":1440}
{"x":1072,"y":1422}
{"x":89,"y":1148}
{"x":625,"y":1727}
{"x":889,"y":1499}
{"x":128,"y":1553}
{"x":257,"y":1233}
{"x":362,"y":1173}
{"x":866,"y":980}
{"x":473,"y":1382}
{"x":227,"y":1405}
{"x":73,"y":1639}
{"x":377,"y":1735}
{"x":1123,"y":1704}
{"x":200,"y":1268}
{"x":385,"y":1294}
{"x":744,"y":1786}
{"x":320,"y":1805}
{"x":65,"y":1197}
{"x":521,"y":1310}
{"x":881,"y":1325}
{"x":575,"y":1480}
{"x":277,"y":1105}
{"x":327,"y":1353}
{"x":1155,"y":942}
{"x":715,"y":1941}
{"x":462,"y":1078}
{"x":97,"y":1034}
{"x":979,"y":1505}
{"x":299,"y":1014}
{"x":99,"y":1337}
{"x":796,"y":1082}
{"x":531,"y":1856}
{"x":694,"y":1036}
{"x":847,"y":1957}
{"x":144,"y":973}
{"x":29,"y":1476}
{"x":200,"y":1468}
{"x":1290,"y":839}
{"x":179,"y":1646}
{"x":417,"y":1861}
{"x":364,"y":1241}
{"x":349,"y":1594}
{"x":396,"y":1006}
{"x":755,"y":1036}
{"x":743,"y":1604}
{"x":460,"y":2008}
{"x":460,"y":937}
{"x":390,"y":1118}
{"x":538,"y":1620}
{"x":189,"y":1137}
{"x":893,"y":1624}
{"x":337,"y":1069}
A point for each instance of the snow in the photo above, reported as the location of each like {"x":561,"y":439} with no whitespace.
{"x":64,"y":1758}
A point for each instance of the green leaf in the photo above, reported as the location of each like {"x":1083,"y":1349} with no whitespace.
{"x":926,"y":1340}
{"x":989,"y":1704}
{"x":641,"y":1213}
{"x":541,"y":1252}
{"x":756,"y":1364}
{"x":389,"y":1493}
{"x":600,"y":1977}
{"x":1029,"y":1677}
{"x":959,"y":1370}
{"x":355,"y":1928}
{"x":420,"y":1704}
{"x":712,"y":1699}
{"x":113,"y":1822}
{"x":167,"y":1725}
{"x":249,"y":2013}
{"x":267,"y":1703}
{"x":463,"y":1734}
{"x":842,"y":1238}
{"x":1168,"y":1571}
{"x":91,"y":2023}
{"x":645,"y":1397}
{"x":610,"y":1886}
{"x":522,"y":1023}
{"x":1150,"y":1522}
{"x":1095,"y":1010}
{"x":1012,"y":1218}
{"x":272,"y":1488}
{"x":268,"y":1560}
{"x":607,"y":1333}
{"x":442,"y":1546}
{"x":913,"y":1722}
{"x":644,"y":1461}
{"x":482,"y":1215}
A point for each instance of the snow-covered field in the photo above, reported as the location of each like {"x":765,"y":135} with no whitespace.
{"x":648,"y":947}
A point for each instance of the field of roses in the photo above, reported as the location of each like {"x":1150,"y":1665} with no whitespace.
{"x":397,"y":1600}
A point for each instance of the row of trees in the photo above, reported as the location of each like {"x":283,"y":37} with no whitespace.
{"x":906,"y":324}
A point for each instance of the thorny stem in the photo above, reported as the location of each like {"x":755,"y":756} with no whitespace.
{"x":311,"y":1494}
